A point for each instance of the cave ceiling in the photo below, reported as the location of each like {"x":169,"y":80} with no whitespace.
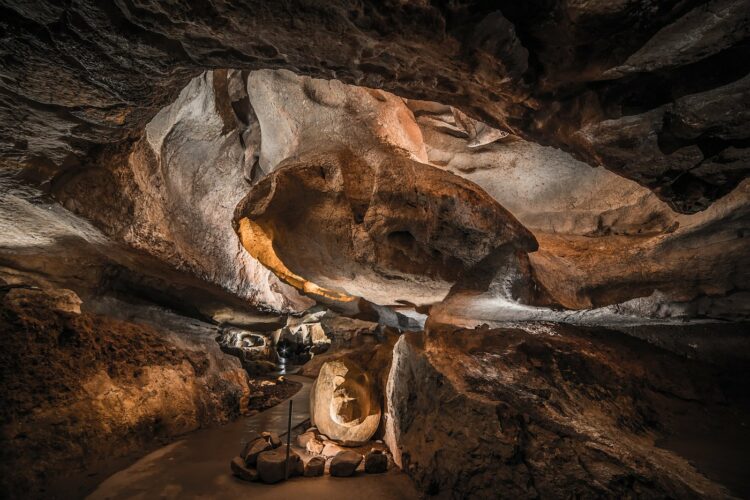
{"x":656,"y":92}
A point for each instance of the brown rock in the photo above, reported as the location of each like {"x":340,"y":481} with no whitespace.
{"x":345,"y":463}
{"x":273,"y":439}
{"x":376,"y":462}
{"x":344,"y":404}
{"x":271,"y":465}
{"x":306,"y":436}
{"x":314,"y":467}
{"x":419,"y":226}
{"x":253,"y":449}
{"x":315,"y":446}
{"x":242,"y":472}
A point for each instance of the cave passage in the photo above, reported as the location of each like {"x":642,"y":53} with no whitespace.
{"x":378,"y":250}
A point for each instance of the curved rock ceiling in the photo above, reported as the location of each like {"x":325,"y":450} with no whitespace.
{"x":640,"y":88}
{"x":345,"y":193}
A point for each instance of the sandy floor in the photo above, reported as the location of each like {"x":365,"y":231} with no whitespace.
{"x":198,"y":467}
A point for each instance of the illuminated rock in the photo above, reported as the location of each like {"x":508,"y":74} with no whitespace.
{"x":336,"y":226}
{"x":343,"y":403}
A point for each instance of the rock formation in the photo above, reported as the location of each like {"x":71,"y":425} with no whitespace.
{"x":395,"y":231}
{"x":559,"y":73}
{"x":79,"y":388}
{"x":542,"y":409}
{"x":551,"y":197}
{"x":344,"y":403}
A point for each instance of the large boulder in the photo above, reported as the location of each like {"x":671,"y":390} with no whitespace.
{"x":344,"y":403}
{"x":345,"y":463}
{"x":533,"y":411}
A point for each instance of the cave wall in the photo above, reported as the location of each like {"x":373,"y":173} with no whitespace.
{"x":547,"y":410}
{"x":80,"y":389}
{"x":603,"y":239}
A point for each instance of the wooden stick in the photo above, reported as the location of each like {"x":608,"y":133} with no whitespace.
{"x":288,"y":439}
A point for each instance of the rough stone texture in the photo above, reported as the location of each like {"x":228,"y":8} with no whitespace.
{"x":272,"y":439}
{"x":253,"y":449}
{"x":603,"y":239}
{"x":173,"y":194}
{"x":272,"y":468}
{"x":542,"y":409}
{"x":345,"y":463}
{"x":87,"y":73}
{"x":315,"y":467}
{"x":397,"y":230}
{"x":585,"y":218}
{"x":81,"y":388}
{"x":241,"y":471}
{"x":376,"y":462}
{"x":344,"y":403}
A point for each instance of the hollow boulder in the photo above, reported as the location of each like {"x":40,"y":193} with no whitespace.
{"x":344,"y":404}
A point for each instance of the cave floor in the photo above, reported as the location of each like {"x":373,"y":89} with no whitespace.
{"x":197,"y":466}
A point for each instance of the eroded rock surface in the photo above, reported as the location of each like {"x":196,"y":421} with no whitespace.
{"x":173,"y":194}
{"x":541,"y":70}
{"x":78,"y":389}
{"x":344,"y":403}
{"x":398,"y":229}
{"x":543,"y":409}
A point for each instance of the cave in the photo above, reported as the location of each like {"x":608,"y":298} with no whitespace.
{"x":357,"y":249}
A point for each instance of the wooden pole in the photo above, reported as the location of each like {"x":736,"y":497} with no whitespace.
{"x":288,"y":441}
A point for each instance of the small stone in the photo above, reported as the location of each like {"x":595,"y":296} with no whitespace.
{"x":345,"y":463}
{"x":314,"y":447}
{"x":303,"y":438}
{"x":271,"y":467}
{"x":273,"y":439}
{"x":238,"y":469}
{"x":253,"y":449}
{"x":315,"y":467}
{"x":376,"y":462}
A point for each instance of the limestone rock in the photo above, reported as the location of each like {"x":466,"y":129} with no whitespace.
{"x":344,"y":404}
{"x":405,"y":229}
{"x":506,"y":66}
{"x":305,"y":437}
{"x":82,"y":368}
{"x":241,"y":471}
{"x":345,"y":463}
{"x":527,"y":401}
{"x":314,"y":446}
{"x":376,"y":462}
{"x":315,"y":467}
